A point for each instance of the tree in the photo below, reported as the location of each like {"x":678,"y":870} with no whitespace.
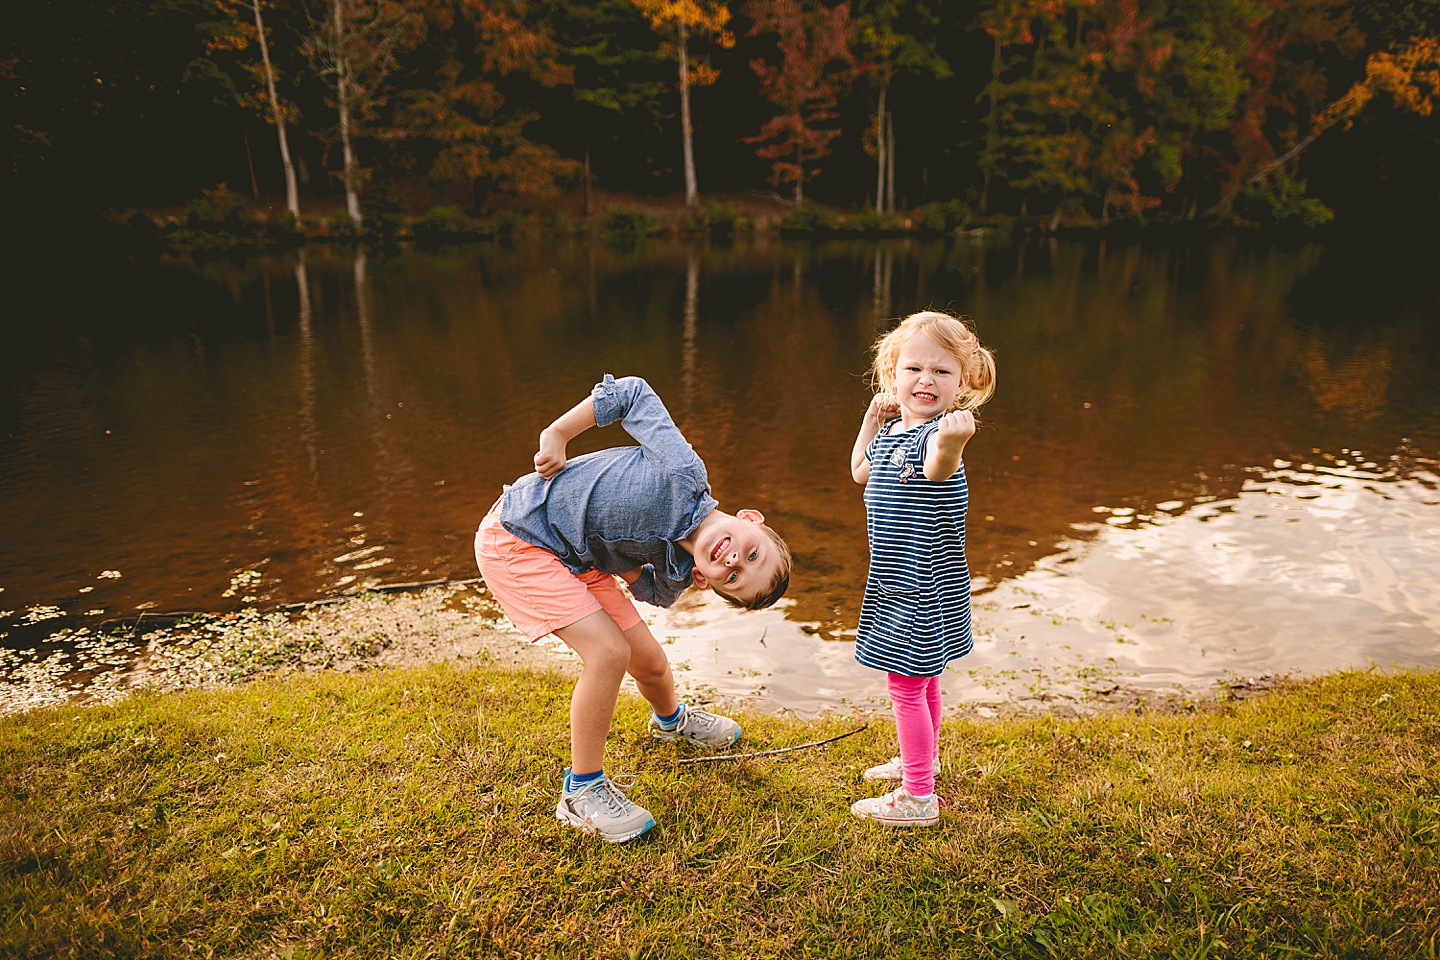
{"x":1287,"y":87}
{"x":1042,"y":100}
{"x":681,"y":19}
{"x":620,"y":80}
{"x":885,"y":50}
{"x":453,"y":114}
{"x":353,"y":44}
{"x":1411,"y":76}
{"x":815,"y":66}
{"x":243,"y":23}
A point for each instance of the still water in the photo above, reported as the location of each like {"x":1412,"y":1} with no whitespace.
{"x":1202,"y":461}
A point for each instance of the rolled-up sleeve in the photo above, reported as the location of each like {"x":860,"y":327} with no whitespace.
{"x":654,"y":590}
{"x":641,"y":413}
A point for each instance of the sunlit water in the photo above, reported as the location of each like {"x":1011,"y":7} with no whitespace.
{"x":1202,"y":461}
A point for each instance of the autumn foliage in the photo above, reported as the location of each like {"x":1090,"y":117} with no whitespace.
{"x":812,"y":68}
{"x":1070,"y":110}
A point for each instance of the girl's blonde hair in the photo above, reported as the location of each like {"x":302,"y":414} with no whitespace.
{"x":954,"y":334}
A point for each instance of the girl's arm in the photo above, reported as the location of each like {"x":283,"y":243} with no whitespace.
{"x":551,"y":458}
{"x":883,"y":406}
{"x":948,"y":444}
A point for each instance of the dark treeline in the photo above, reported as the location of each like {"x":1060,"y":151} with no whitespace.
{"x":1073,"y":111}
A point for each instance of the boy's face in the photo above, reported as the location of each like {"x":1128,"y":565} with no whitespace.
{"x":736,"y":557}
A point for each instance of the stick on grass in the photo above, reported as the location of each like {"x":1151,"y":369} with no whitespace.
{"x":770,"y":753}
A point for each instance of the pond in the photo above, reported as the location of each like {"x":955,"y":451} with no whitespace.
{"x":1204,"y":460}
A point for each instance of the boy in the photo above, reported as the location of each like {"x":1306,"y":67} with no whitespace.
{"x":553,"y":544}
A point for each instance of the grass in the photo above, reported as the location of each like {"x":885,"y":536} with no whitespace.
{"x":408,"y":812}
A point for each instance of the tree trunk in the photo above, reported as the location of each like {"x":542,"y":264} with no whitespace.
{"x":880,"y":151}
{"x":342,"y":99}
{"x":292,"y":192}
{"x":991,"y":122}
{"x":799,"y":175}
{"x":250,"y":163}
{"x":1265,"y":170}
{"x":692,"y":192}
{"x":587,"y":185}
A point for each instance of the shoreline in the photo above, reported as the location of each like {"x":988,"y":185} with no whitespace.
{"x":433,"y":624}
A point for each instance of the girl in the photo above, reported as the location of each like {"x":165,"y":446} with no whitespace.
{"x":930,"y":372}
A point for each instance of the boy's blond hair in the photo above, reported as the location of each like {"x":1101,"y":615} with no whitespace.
{"x":955,"y":335}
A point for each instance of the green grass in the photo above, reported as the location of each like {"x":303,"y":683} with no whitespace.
{"x":409,"y":813}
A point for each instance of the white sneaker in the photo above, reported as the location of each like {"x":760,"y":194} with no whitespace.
{"x":899,"y":808}
{"x":891,"y":770}
{"x":601,"y":807}
{"x":698,"y":726}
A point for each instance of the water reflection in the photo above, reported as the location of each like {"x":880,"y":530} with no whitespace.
{"x":278,"y":430}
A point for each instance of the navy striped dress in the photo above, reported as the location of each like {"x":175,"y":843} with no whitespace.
{"x":915,"y":618}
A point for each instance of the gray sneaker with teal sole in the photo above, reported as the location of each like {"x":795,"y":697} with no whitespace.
{"x":698,"y":726}
{"x":602,"y":808}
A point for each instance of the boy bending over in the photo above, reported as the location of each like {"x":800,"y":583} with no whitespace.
{"x":550,"y":550}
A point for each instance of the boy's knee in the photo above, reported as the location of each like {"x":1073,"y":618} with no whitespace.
{"x":648,"y":664}
{"x":611,"y":653}
{"x":599,"y":644}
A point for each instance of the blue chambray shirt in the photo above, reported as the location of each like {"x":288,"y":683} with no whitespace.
{"x":621,"y":508}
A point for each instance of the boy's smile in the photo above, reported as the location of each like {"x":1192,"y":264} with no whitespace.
{"x":732,"y":554}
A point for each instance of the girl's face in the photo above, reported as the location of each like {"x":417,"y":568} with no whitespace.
{"x":927,"y":379}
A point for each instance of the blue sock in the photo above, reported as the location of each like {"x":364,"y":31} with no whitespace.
{"x":670,"y":721}
{"x":577,"y":781}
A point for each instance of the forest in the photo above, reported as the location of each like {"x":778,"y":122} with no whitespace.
{"x":1067,"y":112}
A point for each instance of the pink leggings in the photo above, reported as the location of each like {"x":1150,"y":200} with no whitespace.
{"x":917,"y":724}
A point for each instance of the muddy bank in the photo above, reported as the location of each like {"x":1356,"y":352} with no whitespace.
{"x":367,"y":632}
{"x":454,"y":623}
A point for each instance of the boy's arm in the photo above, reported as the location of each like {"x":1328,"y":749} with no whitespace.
{"x":642,"y":414}
{"x":551,"y":457}
{"x":883,"y":406}
{"x":942,"y":458}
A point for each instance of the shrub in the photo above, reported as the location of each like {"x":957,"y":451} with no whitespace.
{"x":504,"y":223}
{"x":216,"y":210}
{"x":384,"y":215}
{"x":283,"y":231}
{"x":625,"y":223}
{"x":944,"y":217}
{"x":723,"y":220}
{"x":442,"y":224}
{"x":811,"y":219}
{"x":1281,"y":202}
{"x":868,"y":221}
{"x":339,"y":226}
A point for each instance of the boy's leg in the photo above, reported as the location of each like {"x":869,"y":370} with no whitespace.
{"x":651,"y":670}
{"x":605,"y":654}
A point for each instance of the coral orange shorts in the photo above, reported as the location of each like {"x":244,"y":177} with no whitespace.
{"x":537,"y":591}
